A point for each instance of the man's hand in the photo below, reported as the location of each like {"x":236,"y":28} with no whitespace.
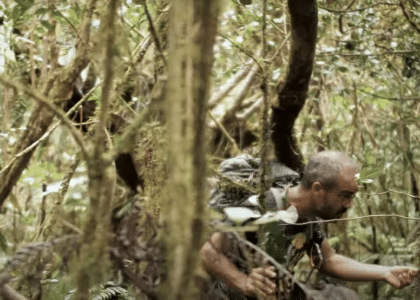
{"x":400,"y":277}
{"x":259,"y":282}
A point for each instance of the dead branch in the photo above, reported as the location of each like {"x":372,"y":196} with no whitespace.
{"x":7,"y":293}
{"x":249,"y":80}
{"x":230,"y":85}
{"x":235,"y":150}
{"x":251,"y":110}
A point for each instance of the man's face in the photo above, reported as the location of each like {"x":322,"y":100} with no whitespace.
{"x":338,"y":200}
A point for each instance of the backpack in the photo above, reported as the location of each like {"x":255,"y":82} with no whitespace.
{"x":239,"y":181}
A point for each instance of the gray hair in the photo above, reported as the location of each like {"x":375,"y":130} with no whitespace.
{"x":324,"y":167}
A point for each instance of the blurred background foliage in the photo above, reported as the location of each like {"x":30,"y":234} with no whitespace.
{"x":363,"y":100}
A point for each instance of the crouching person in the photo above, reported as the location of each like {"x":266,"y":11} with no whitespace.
{"x":325,"y":191}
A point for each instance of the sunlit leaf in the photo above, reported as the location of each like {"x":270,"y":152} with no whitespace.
{"x":370,"y":172}
{"x":47,"y":24}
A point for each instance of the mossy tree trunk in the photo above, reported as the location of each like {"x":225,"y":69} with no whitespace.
{"x":192,"y":29}
{"x":292,"y":94}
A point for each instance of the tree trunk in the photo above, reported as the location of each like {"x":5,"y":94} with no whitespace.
{"x":292,"y":94}
{"x":191,"y":36}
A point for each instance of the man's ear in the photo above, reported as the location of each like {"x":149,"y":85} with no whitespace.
{"x":317,"y":187}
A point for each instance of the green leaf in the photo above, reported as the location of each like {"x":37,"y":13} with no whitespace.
{"x":47,"y":25}
{"x":3,"y":243}
{"x":370,"y":172}
{"x":342,"y":69}
{"x":41,"y":11}
{"x":57,"y":15}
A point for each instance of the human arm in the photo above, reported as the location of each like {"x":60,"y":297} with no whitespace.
{"x":218,"y":264}
{"x":350,"y":270}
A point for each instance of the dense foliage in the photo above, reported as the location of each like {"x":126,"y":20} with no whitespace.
{"x":363,"y":99}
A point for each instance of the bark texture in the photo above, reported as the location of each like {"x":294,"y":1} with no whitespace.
{"x":192,"y":30}
{"x":292,"y":94}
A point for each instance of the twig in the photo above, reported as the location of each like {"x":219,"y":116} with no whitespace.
{"x":48,"y":103}
{"x":71,"y":226}
{"x":246,"y":114}
{"x":50,"y":222}
{"x":226,"y":134}
{"x":239,"y":99}
{"x":388,"y":98}
{"x":281,"y":46}
{"x":242,"y":50}
{"x":358,"y":9}
{"x":361,"y":54}
{"x":30,"y":148}
{"x":47,"y":134}
{"x":355,"y":218}
{"x":393,"y":191}
{"x":154,"y":34}
{"x":414,"y":25}
{"x":230,"y":85}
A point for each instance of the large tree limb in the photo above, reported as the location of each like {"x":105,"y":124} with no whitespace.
{"x":292,"y":94}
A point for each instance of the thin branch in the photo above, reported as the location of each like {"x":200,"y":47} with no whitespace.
{"x":154,"y":34}
{"x":389,"y":98}
{"x":358,"y":9}
{"x":30,"y":148}
{"x":242,"y":50}
{"x":414,"y":25}
{"x":226,"y":134}
{"x":246,"y":114}
{"x":230,"y":85}
{"x":393,"y":191}
{"x":48,"y":103}
{"x":70,"y":225}
{"x":239,"y":99}
{"x":47,"y":134}
{"x":355,"y":218}
{"x":361,"y":54}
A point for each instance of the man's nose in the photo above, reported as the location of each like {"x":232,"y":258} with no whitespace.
{"x":349,"y":204}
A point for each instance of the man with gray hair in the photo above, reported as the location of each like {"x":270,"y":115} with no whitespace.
{"x":326,"y":190}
